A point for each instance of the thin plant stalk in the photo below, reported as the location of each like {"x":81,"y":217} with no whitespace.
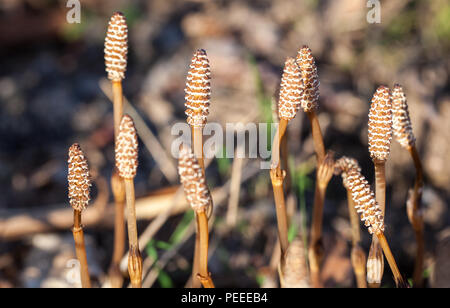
{"x":134,"y":271}
{"x":277,"y":178}
{"x":197,"y":142}
{"x":358,"y":256}
{"x":399,"y":281}
{"x":80,"y":249}
{"x":316,"y":132}
{"x":416,"y":219}
{"x":117,"y":185}
{"x":324,"y":173}
{"x":203,"y":275}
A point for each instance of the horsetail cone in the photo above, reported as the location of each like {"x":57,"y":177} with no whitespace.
{"x":290,"y":90}
{"x":310,"y":78}
{"x":78,"y":179}
{"x":127,"y":149}
{"x":401,"y":121}
{"x":343,"y":165}
{"x":380,"y":124}
{"x":193,"y":179}
{"x":198,"y":89}
{"x":116,"y":47}
{"x":364,"y":200}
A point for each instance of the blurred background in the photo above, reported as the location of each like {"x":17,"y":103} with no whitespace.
{"x":54,"y":92}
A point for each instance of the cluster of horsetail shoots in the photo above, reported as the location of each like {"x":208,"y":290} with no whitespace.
{"x":79,"y":183}
{"x":126,"y":163}
{"x":403,"y":133}
{"x":116,"y":49}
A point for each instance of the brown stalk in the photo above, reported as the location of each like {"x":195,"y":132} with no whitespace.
{"x":399,"y":281}
{"x":204,"y":276}
{"x":80,"y":249}
{"x":315,"y":252}
{"x":134,"y":259}
{"x":277,"y":177}
{"x":118,"y":190}
{"x":416,"y":219}
{"x":316,"y":132}
{"x":358,"y":257}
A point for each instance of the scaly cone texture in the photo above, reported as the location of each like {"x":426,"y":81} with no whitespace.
{"x":365,"y":203}
{"x":193,"y":180}
{"x":290,"y":90}
{"x":380,"y":124}
{"x":294,"y":268}
{"x":402,"y":123}
{"x":116,"y":47}
{"x":343,"y":165}
{"x":78,"y":178}
{"x":127,"y":149}
{"x":198,"y":89}
{"x":307,"y":64}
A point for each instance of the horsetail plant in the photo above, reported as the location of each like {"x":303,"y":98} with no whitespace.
{"x":126,"y":164}
{"x":358,"y":256}
{"x":403,"y":133}
{"x":197,"y":97}
{"x":79,"y":196}
{"x":324,"y":173}
{"x":371,"y":214}
{"x":116,"y":49}
{"x":310,"y":96}
{"x":288,"y":105}
{"x":380,"y":135}
{"x":192,"y":176}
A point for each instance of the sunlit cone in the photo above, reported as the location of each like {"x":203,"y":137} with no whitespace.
{"x":193,"y":180}
{"x":343,"y":165}
{"x":127,"y":149}
{"x":401,"y":122}
{"x":78,"y":179}
{"x":294,"y":268}
{"x":290,"y":91}
{"x":116,"y":47}
{"x":198,"y":89}
{"x":380,"y":124}
{"x":310,"y":78}
{"x":364,"y":200}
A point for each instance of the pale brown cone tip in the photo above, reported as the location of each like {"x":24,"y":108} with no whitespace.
{"x":380,"y":124}
{"x":364,"y":200}
{"x":78,"y":179}
{"x":294,"y":268}
{"x":290,"y":90}
{"x":310,"y":78}
{"x":127,"y":149}
{"x":343,"y":165}
{"x":193,"y":179}
{"x":116,"y":47}
{"x":198,"y":89}
{"x":401,"y":121}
